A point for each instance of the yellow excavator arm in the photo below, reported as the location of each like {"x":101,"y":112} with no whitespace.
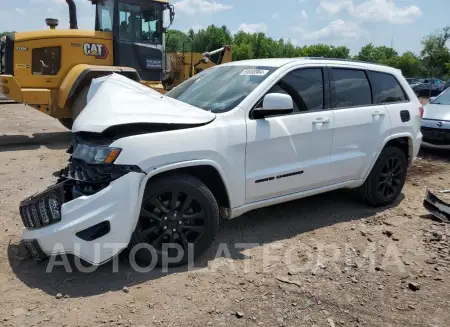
{"x":181,"y":66}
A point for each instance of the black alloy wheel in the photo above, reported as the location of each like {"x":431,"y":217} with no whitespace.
{"x":390,"y":178}
{"x":177,"y":212}
{"x":386,"y":179}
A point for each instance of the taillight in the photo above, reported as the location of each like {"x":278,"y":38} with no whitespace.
{"x":421,"y":111}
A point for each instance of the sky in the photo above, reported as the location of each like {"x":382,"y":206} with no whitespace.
{"x":353,"y":23}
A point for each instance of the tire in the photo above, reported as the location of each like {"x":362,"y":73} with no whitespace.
{"x":78,"y":105}
{"x":166,"y":218}
{"x":80,"y":101}
{"x":66,"y":122}
{"x":388,"y":173}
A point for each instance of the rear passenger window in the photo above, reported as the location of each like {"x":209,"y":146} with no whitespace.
{"x":351,"y":88}
{"x":386,"y":88}
{"x":305,"y":86}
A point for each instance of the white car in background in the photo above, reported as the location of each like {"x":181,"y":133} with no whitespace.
{"x":436,"y":122}
{"x":162,"y":170}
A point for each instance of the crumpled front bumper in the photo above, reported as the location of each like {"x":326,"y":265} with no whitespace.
{"x":118,"y":204}
{"x":437,"y":207}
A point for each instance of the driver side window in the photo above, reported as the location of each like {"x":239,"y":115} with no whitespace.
{"x":305,"y":86}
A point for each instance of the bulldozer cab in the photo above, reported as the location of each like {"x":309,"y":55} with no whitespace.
{"x":138,"y":33}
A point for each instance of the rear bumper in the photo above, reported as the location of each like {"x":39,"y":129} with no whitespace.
{"x":116,"y":206}
{"x":438,"y":208}
{"x":417,"y":144}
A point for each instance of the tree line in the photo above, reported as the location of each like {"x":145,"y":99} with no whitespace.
{"x":432,"y":61}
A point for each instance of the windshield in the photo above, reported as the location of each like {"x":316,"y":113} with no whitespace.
{"x":221,"y":88}
{"x":140,"y":23}
{"x":444,"y":98}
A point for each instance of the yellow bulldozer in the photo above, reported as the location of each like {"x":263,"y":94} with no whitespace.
{"x":51,"y":70}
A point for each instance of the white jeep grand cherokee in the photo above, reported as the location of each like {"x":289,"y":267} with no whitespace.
{"x":161,"y":170}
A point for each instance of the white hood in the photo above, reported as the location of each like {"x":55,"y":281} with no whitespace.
{"x":117,"y":100}
{"x":437,"y":112}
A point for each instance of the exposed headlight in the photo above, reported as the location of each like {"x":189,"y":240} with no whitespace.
{"x":93,"y":154}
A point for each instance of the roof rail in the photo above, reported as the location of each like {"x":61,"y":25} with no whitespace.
{"x":345,"y":60}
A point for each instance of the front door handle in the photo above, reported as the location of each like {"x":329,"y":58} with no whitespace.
{"x":378,"y":113}
{"x":321,"y":121}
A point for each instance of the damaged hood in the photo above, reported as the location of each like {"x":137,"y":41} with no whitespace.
{"x":117,"y":100}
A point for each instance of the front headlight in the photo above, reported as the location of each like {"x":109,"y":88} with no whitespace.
{"x":93,"y":154}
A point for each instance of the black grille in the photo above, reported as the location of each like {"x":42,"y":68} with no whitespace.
{"x":43,"y":209}
{"x":436,"y":136}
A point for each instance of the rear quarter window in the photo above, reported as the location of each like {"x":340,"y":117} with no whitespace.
{"x":386,"y":88}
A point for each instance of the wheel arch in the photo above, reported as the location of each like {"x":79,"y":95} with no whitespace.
{"x":81,"y":75}
{"x":208,"y":171}
{"x":404,"y":141}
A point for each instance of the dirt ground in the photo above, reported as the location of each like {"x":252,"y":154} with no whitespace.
{"x":327,"y":260}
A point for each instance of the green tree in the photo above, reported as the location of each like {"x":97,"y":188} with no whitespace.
{"x":6,"y":33}
{"x":435,"y":53}
{"x":176,"y":41}
{"x":434,"y":59}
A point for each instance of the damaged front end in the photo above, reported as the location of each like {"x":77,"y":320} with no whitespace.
{"x":92,"y":199}
{"x":437,"y":207}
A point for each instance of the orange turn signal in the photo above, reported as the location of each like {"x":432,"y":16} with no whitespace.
{"x":112,"y":156}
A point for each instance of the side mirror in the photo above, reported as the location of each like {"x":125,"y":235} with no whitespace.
{"x":274,"y":104}
{"x":168,"y":16}
{"x":432,"y":99}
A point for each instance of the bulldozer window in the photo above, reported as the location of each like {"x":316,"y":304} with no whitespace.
{"x":46,"y":61}
{"x":140,"y":23}
{"x":105,"y":16}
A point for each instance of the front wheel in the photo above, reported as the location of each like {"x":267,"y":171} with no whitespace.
{"x":386,"y":179}
{"x":78,"y":104}
{"x":178,"y":221}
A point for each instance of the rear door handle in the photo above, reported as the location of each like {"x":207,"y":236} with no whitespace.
{"x":321,"y":121}
{"x":377,"y":113}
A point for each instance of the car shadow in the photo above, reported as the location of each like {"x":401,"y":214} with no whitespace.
{"x":51,"y":140}
{"x":259,"y":227}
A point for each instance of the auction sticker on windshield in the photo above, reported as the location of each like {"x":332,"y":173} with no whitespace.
{"x":254,"y":72}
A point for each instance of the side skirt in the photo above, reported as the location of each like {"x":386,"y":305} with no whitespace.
{"x":236,"y":212}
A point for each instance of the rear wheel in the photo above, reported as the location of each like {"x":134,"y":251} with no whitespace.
{"x":66,"y":122}
{"x":179,"y":220}
{"x":385,"y":182}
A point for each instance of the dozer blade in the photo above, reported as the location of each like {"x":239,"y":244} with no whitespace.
{"x":437,"y":207}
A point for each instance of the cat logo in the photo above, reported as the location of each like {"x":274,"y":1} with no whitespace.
{"x":99,"y":51}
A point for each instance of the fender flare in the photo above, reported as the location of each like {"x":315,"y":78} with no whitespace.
{"x":81,"y":74}
{"x":184,"y":164}
{"x":390,"y":138}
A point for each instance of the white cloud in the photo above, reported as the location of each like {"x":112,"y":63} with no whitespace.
{"x":276,"y":15}
{"x":21,"y":11}
{"x":303,"y":14}
{"x":195,"y":28}
{"x":372,"y":10}
{"x":335,"y":6}
{"x":192,"y":7}
{"x":337,"y":28}
{"x":253,"y":28}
